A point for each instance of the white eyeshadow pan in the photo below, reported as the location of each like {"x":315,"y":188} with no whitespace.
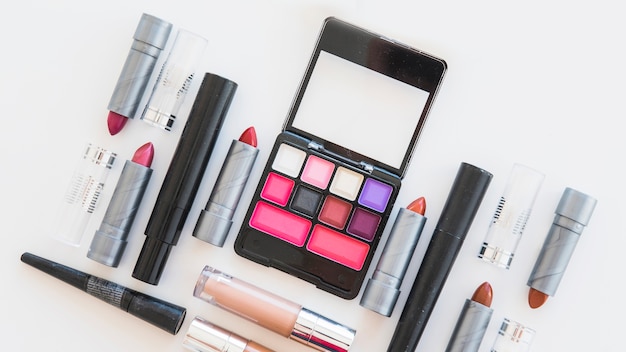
{"x":346,"y":183}
{"x":289,"y":160}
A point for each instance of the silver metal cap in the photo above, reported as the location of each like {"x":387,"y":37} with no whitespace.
{"x":576,"y":205}
{"x":105,"y":249}
{"x":203,"y":336}
{"x":153,"y":31}
{"x":212,"y":227}
{"x":321,"y":333}
{"x":379,"y":297}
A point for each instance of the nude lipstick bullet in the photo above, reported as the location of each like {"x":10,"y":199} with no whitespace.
{"x":217,"y":217}
{"x":272,"y":312}
{"x":109,"y":241}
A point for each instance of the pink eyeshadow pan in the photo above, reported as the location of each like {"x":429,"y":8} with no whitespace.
{"x":317,"y":172}
{"x":277,"y":189}
{"x":338,"y":247}
{"x":335,"y":212}
{"x":280,"y":223}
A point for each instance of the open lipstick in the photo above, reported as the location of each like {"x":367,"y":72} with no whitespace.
{"x":383,"y":289}
{"x":157,"y":312}
{"x":272,"y":312}
{"x":473,"y":321}
{"x":217,"y":217}
{"x":149,"y":40}
{"x":572,"y":214}
{"x":109,"y":241}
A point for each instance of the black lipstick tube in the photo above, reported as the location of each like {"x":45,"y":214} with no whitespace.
{"x":184,"y":175}
{"x":159,"y":313}
{"x":468,"y":190}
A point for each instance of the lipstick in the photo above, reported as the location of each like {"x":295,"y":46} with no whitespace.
{"x":202,"y":336}
{"x":109,"y":241}
{"x":473,"y":321}
{"x":382,"y":290}
{"x":216,"y":218}
{"x":572,"y":214}
{"x":159,"y":313}
{"x":184,"y":176}
{"x":464,"y":199}
{"x":272,"y":312}
{"x":149,"y":40}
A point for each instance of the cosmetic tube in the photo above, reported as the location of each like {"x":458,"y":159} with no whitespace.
{"x":513,"y":337}
{"x":572,"y":214}
{"x":162,"y":314}
{"x":184,"y":176}
{"x":83,"y":193}
{"x":464,"y":199}
{"x":511,"y":215}
{"x":382,"y":290}
{"x":174,"y":80}
{"x":217,"y":217}
{"x":272,"y":312}
{"x":109,"y":241}
{"x":203,"y":336}
{"x":149,"y":41}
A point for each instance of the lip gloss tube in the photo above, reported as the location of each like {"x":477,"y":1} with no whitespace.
{"x":272,"y":312}
{"x":511,"y":215}
{"x":83,"y":193}
{"x":203,"y":336}
{"x":174,"y":80}
{"x":217,"y":217}
{"x":109,"y":241}
{"x":149,"y":41}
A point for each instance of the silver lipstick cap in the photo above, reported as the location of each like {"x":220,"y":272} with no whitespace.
{"x":383,"y":289}
{"x":149,"y":41}
{"x":321,"y":333}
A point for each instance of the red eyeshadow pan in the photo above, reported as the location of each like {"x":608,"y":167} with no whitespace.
{"x":280,"y":223}
{"x":277,"y":189}
{"x":338,"y":247}
{"x":335,"y":212}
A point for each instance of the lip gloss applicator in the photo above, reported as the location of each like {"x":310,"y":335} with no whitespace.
{"x":109,"y":242}
{"x":149,"y":40}
{"x":217,"y":217}
{"x":272,"y":312}
{"x":382,"y":290}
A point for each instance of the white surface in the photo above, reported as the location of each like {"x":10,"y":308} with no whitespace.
{"x":539,"y":83}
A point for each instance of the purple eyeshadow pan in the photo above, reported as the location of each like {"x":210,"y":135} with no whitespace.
{"x":363,"y":224}
{"x":375,"y":195}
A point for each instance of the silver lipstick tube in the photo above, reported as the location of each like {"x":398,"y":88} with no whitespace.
{"x":216,"y":219}
{"x":470,"y":328}
{"x":383,"y":289}
{"x":321,"y":333}
{"x":149,"y":41}
{"x":572,"y":215}
{"x":109,"y":241}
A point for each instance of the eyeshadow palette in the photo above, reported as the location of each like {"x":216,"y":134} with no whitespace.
{"x":334,"y":172}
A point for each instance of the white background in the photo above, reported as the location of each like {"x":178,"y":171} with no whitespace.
{"x":535,"y":82}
